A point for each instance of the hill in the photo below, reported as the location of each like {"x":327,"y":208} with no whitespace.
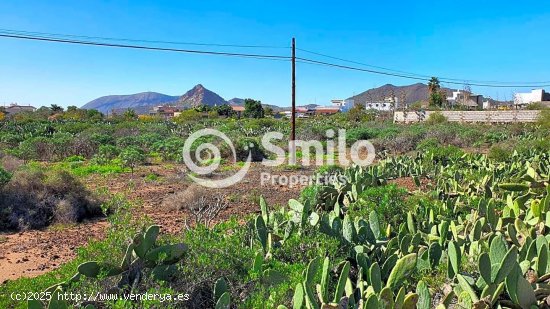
{"x":135,"y":101}
{"x":200,"y":96}
{"x":410,"y":94}
{"x":143,"y":102}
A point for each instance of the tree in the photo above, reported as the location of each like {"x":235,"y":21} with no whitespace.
{"x":253,"y":109}
{"x":268,"y":111}
{"x":359,"y":113}
{"x":132,"y":157}
{"x":436,"y":97}
{"x":224,"y":110}
{"x":130,"y":114}
{"x":56,"y":108}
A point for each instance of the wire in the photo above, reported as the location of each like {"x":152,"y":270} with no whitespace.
{"x":54,"y":35}
{"x":310,"y":61}
{"x":442,"y":79}
{"x":142,"y":47}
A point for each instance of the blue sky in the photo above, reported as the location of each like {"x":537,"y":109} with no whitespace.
{"x":473,"y":40}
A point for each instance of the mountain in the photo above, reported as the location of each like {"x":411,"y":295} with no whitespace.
{"x":236,"y":101}
{"x":200,"y":96}
{"x":143,"y":102}
{"x":410,"y":94}
{"x":135,"y":101}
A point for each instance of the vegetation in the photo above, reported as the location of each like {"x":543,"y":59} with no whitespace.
{"x":253,"y":109}
{"x":432,"y":224}
{"x":436,"y":96}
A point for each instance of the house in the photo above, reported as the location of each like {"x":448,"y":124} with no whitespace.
{"x":301,"y":112}
{"x":388,"y":104}
{"x":14,"y":108}
{"x":380,"y":106}
{"x":326,"y":110}
{"x":343,"y":105}
{"x":166,"y":112}
{"x":536,"y":95}
{"x":238,"y":110}
{"x":467,"y":99}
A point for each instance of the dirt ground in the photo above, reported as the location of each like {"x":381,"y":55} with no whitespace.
{"x":31,"y":253}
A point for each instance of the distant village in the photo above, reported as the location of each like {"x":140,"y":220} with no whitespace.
{"x":459,"y":99}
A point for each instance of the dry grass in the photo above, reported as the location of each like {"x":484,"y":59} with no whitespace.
{"x":202,"y":203}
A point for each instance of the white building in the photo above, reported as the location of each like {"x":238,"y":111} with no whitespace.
{"x":461,"y":97}
{"x":380,"y":106}
{"x":343,"y":105}
{"x":536,"y":95}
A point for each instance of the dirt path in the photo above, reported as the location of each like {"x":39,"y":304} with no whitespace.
{"x":31,"y":253}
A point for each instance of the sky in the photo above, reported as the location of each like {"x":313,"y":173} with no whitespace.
{"x":467,"y":40}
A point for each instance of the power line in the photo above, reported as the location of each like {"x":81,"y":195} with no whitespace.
{"x":57,"y":35}
{"x":142,"y":47}
{"x":51,"y":38}
{"x":443,"y":79}
{"x":310,"y":61}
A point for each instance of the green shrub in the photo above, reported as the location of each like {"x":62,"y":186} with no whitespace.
{"x":500,"y":152}
{"x":445,"y":154}
{"x":388,"y":201}
{"x":4,"y":177}
{"x":131,"y":157}
{"x":247,"y":145}
{"x":436,"y":118}
{"x":544,"y":119}
{"x":362,"y":133}
{"x":75,"y":159}
{"x":427,"y":143}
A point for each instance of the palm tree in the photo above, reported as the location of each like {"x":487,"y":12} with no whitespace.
{"x":433,"y":85}
{"x":435,"y":97}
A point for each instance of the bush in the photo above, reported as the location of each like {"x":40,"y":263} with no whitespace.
{"x":75,"y":159}
{"x":445,"y":154}
{"x":427,"y":143}
{"x":357,"y":134}
{"x":106,"y":153}
{"x":247,"y":145}
{"x":544,"y":119}
{"x":500,"y":152}
{"x":436,"y":118}
{"x":33,"y":199}
{"x":4,"y":177}
{"x":132,"y":157}
{"x":388,"y":201}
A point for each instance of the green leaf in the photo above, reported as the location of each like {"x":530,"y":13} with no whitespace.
{"x":374,"y":223}
{"x":402,"y":269}
{"x":424,"y":298}
{"x":148,"y":241}
{"x":342,"y":282}
{"x":506,"y":265}
{"x":298,"y":298}
{"x":467,"y":288}
{"x":485,"y":267}
{"x":224,"y":302}
{"x":220,"y":287}
{"x":497,"y":249}
{"x":375,"y":277}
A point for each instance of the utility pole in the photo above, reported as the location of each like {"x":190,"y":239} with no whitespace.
{"x":292,"y":145}
{"x":293,"y":115}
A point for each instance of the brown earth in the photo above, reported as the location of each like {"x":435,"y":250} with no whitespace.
{"x":31,"y":253}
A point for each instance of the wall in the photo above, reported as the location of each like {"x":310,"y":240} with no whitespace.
{"x":471,"y":116}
